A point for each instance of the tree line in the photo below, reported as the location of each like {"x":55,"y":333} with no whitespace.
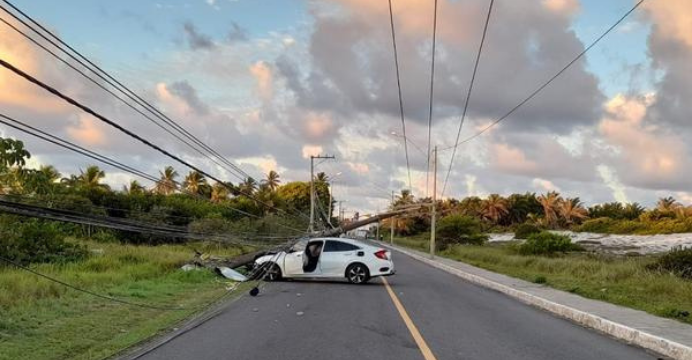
{"x":550,"y":210}
{"x":268,"y":206}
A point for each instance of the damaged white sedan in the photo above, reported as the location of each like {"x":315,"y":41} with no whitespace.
{"x":328,"y":258}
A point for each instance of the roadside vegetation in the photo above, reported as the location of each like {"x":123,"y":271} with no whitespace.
{"x":652,"y":283}
{"x":660,"y":284}
{"x":42,"y":319}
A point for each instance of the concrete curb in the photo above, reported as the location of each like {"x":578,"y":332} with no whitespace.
{"x":622,"y":332}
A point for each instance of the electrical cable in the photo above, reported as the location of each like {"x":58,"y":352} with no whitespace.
{"x":112,"y":81}
{"x":119,"y":127}
{"x":550,"y":80}
{"x":432,"y":94}
{"x":101,"y":158}
{"x":401,"y":101}
{"x":468,"y":94}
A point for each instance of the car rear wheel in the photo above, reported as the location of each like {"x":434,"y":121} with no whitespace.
{"x":357,"y":274}
{"x":273,"y":273}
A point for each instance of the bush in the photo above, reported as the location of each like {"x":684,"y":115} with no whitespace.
{"x":459,"y":229}
{"x":677,"y":261}
{"x":525,"y":230}
{"x":31,"y":240}
{"x":547,"y":243}
{"x":597,"y":225}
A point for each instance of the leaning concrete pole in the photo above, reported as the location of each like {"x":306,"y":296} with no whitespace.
{"x":434,"y":205}
{"x":391,"y":223}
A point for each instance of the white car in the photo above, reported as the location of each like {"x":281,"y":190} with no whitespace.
{"x":354,"y":260}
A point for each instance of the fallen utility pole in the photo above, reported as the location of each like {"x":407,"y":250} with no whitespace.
{"x":373,"y":219}
{"x":250,"y":257}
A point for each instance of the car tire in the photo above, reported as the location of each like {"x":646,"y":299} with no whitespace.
{"x":357,"y":273}
{"x":273,"y":273}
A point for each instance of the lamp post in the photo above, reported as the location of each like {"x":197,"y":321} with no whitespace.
{"x":330,"y":194}
{"x":394,"y":133}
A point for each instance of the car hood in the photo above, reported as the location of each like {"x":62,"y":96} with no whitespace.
{"x":269,"y":257}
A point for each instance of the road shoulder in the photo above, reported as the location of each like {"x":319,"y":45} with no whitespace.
{"x":667,"y":337}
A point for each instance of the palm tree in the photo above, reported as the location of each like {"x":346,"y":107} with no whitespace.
{"x":41,"y":181}
{"x":219,"y":192}
{"x":404,"y":198}
{"x":134,"y":188}
{"x":70,"y":182}
{"x":551,"y":203}
{"x":573,"y":211}
{"x":667,"y":204}
{"x":272,"y":181}
{"x":321,"y":177}
{"x":494,"y":208}
{"x":194,"y":182}
{"x":633,"y":211}
{"x":91,"y":178}
{"x":248,"y":186}
{"x":166,"y":185}
{"x":50,"y":173}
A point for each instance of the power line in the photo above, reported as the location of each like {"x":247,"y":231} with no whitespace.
{"x":122,"y":224}
{"x":401,"y":101}
{"x":550,"y":80}
{"x":432,"y":94}
{"x":95,"y":69}
{"x":104,"y":88}
{"x":468,"y":94}
{"x":112,"y":81}
{"x":28,"y":129}
{"x":102,"y":118}
{"x":131,"y":303}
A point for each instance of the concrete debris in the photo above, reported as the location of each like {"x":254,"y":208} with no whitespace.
{"x":231,"y":274}
{"x":300,"y":313}
{"x":255,"y":309}
{"x":189,"y":267}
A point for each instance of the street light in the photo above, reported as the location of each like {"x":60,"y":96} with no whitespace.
{"x":394,"y":133}
{"x":331,"y":178}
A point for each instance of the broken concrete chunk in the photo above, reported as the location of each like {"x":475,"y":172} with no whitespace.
{"x":231,"y":274}
{"x":188,"y":267}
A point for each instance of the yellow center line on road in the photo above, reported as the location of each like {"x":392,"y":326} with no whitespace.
{"x":422,"y":345}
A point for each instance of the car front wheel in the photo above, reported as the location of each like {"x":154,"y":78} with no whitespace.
{"x":273,"y":273}
{"x":357,"y":274}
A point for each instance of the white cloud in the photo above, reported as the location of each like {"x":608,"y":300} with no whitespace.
{"x":544,"y":185}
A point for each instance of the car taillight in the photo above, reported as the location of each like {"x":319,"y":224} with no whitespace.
{"x":382,"y":254}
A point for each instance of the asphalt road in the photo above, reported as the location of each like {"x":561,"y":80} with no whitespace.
{"x":331,"y":320}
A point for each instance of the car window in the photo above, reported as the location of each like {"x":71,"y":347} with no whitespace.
{"x":331,"y":246}
{"x":335,"y":246}
{"x":347,"y":247}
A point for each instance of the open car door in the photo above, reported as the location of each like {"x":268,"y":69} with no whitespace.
{"x":311,"y":257}
{"x":293,"y":261}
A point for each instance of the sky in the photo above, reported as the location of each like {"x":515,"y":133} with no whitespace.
{"x":270,"y":82}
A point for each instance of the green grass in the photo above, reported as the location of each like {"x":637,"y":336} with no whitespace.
{"x":44,"y":320}
{"x":619,"y":280}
